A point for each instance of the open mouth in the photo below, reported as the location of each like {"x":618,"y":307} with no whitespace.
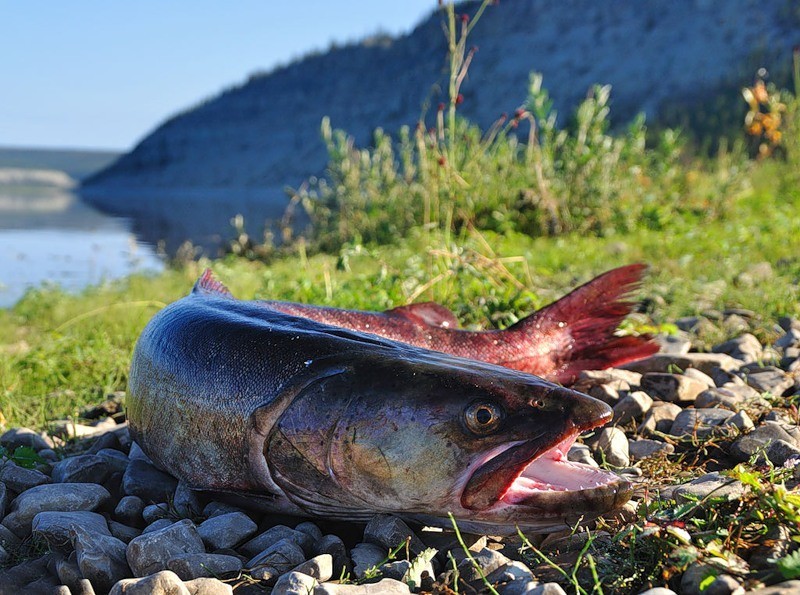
{"x":537,"y":475}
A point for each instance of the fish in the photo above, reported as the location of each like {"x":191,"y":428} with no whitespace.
{"x":282,"y":413}
{"x":558,"y":342}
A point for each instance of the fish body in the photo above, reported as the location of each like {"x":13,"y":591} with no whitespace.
{"x":300,"y":417}
{"x":572,"y":334}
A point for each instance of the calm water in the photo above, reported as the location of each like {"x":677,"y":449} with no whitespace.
{"x":48,"y":236}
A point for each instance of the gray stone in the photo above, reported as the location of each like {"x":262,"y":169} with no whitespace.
{"x":295,"y":583}
{"x":279,"y":558}
{"x":673,"y":344}
{"x":589,"y":378}
{"x":777,"y":543}
{"x":82,"y":469}
{"x":386,"y":586}
{"x":705,"y":362}
{"x":68,"y":572}
{"x":208,"y":586}
{"x":118,"y":461}
{"x":744,"y":347}
{"x":724,"y":584}
{"x":547,"y":589}
{"x":711,"y":485}
{"x":311,"y":529}
{"x":333,"y":545}
{"x":488,"y":560}
{"x":65,"y":497}
{"x":273,"y":535}
{"x":696,"y":374}
{"x":123,"y":532}
{"x":728,"y":398}
{"x":227,"y":530}
{"x":758,"y":440}
{"x":659,"y":418}
{"x":144,"y":480}
{"x":157,"y":525}
{"x":388,"y":531}
{"x":697,"y":573}
{"x":320,"y":567}
{"x":366,"y":556}
{"x":581,"y":453}
{"x":701,"y":423}
{"x":191,"y":566}
{"x":613,"y":446}
{"x":186,"y":501}
{"x":101,"y":558}
{"x":153,"y":512}
{"x":19,"y":479}
{"x":784,"y":588}
{"x":790,"y":339}
{"x":17,"y":437}
{"x":165,"y":582}
{"x":644,"y":448}
{"x":215,"y":508}
{"x":150,"y":552}
{"x":673,"y":388}
{"x":7,"y":538}
{"x":780,"y":451}
{"x":56,"y":527}
{"x":136,"y":453}
{"x":608,"y":393}
{"x":773,"y":381}
{"x":514,"y":571}
{"x":129,"y":511}
{"x":396,"y":570}
{"x":741,"y":421}
{"x":632,"y":406}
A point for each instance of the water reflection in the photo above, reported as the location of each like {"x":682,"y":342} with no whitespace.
{"x":49,"y":236}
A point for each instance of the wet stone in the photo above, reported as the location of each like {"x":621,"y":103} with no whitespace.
{"x":279,"y":558}
{"x":275,"y":534}
{"x":632,"y":406}
{"x":744,"y":347}
{"x":295,"y":583}
{"x":226,"y":530}
{"x":710,"y":485}
{"x":673,"y":388}
{"x":19,"y":479}
{"x":57,"y":527}
{"x":388,"y":531}
{"x":101,"y":558}
{"x":701,"y":422}
{"x":144,"y":480}
{"x":150,"y":552}
{"x":191,"y":566}
{"x":644,"y":448}
{"x":17,"y":437}
{"x":165,"y":582}
{"x":366,"y":556}
{"x":65,"y":497}
{"x":659,"y":418}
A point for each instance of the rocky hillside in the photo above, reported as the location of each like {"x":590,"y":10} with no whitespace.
{"x":236,"y":152}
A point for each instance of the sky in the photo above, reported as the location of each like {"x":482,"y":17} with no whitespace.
{"x":102,"y":75}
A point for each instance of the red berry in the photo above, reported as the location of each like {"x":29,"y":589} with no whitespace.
{"x":459,"y":99}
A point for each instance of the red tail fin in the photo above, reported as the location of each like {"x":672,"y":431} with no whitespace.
{"x":581,"y":325}
{"x":209,"y":285}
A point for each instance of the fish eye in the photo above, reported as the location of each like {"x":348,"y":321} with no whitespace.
{"x":483,"y":417}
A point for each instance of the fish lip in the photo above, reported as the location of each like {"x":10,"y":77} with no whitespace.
{"x":492,"y":483}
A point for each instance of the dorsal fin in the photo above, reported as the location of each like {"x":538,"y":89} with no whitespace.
{"x":429,"y":313}
{"x":209,"y":285}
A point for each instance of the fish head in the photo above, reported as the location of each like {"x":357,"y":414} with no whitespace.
{"x":423,"y":435}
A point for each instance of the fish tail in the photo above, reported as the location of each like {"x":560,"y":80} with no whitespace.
{"x":583,"y":323}
{"x":207,"y":284}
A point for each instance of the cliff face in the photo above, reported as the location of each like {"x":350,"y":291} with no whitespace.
{"x":236,"y":152}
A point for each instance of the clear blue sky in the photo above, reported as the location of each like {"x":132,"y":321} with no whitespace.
{"x":94,"y":74}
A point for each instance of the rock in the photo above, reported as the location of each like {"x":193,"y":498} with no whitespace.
{"x":741,"y":421}
{"x":208,"y":586}
{"x":697,"y":573}
{"x":386,"y":586}
{"x":513,"y":571}
{"x":18,"y":579}
{"x":82,"y":469}
{"x":771,"y":380}
{"x":731,"y":398}
{"x":790,"y":339}
{"x":136,"y":453}
{"x":150,"y":552}
{"x":547,"y":589}
{"x":613,"y":446}
{"x":333,"y":545}
{"x":388,"y":531}
{"x":144,"y":480}
{"x":123,"y":532}
{"x":659,"y":418}
{"x":226,"y":530}
{"x":758,"y":440}
{"x":311,"y":529}
{"x":581,"y":453}
{"x":320,"y":567}
{"x":608,"y":393}
{"x":295,"y":583}
{"x":701,"y":423}
{"x":129,"y":511}
{"x":632,"y":406}
{"x":118,"y":461}
{"x":274,"y":535}
{"x":705,"y":362}
{"x":165,"y":582}
{"x":64,"y":497}
{"x":724,"y":584}
{"x":68,"y":572}
{"x":19,"y":479}
{"x":153,"y":512}
{"x":14,"y":438}
{"x":696,"y":374}
{"x":191,"y":566}
{"x":784,"y":588}
{"x":101,"y":558}
{"x":488,"y":560}
{"x":57,"y":527}
{"x":779,"y":451}
{"x":644,"y":448}
{"x":589,"y":378}
{"x":157,"y":525}
{"x":366,"y":556}
{"x":279,"y":558}
{"x":673,"y":388}
{"x":396,"y":570}
{"x":777,"y":543}
{"x":711,"y":484}
{"x":7,"y":538}
{"x":744,"y":347}
{"x":215,"y":508}
{"x":186,"y":501}
{"x":673,"y":344}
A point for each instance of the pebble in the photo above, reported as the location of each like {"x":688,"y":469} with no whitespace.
{"x":150,"y":484}
{"x":632,"y":406}
{"x":644,"y":448}
{"x":701,"y":423}
{"x":153,"y":512}
{"x":673,"y":344}
{"x":659,"y":418}
{"x":279,"y":558}
{"x":165,"y":582}
{"x":157,"y":525}
{"x":710,"y":485}
{"x":123,"y":532}
{"x":581,"y":453}
{"x":613,"y":444}
{"x":208,"y":586}
{"x":275,"y":534}
{"x":333,"y":545}
{"x":673,"y":388}
{"x":185,"y":501}
{"x":226,"y":530}
{"x":658,"y":591}
{"x":608,"y":393}
{"x":65,"y":497}
{"x":386,"y":586}
{"x":295,"y":583}
{"x":741,"y":421}
{"x":19,"y":479}
{"x":101,"y":558}
{"x":129,"y":511}
{"x":198,"y":565}
{"x":697,"y":573}
{"x":790,"y":339}
{"x":150,"y":552}
{"x":588,"y":378}
{"x":696,"y":374}
{"x":388,"y":531}
{"x":320,"y":567}
{"x":57,"y":527}
{"x":773,"y":381}
{"x":311,"y":529}
{"x":118,"y":461}
{"x":745,"y":347}
{"x":366,"y":556}
{"x":16,"y":437}
{"x":729,"y":398}
{"x":756,"y":441}
{"x":705,"y":362}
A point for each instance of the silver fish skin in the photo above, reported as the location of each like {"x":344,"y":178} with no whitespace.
{"x":298,"y":417}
